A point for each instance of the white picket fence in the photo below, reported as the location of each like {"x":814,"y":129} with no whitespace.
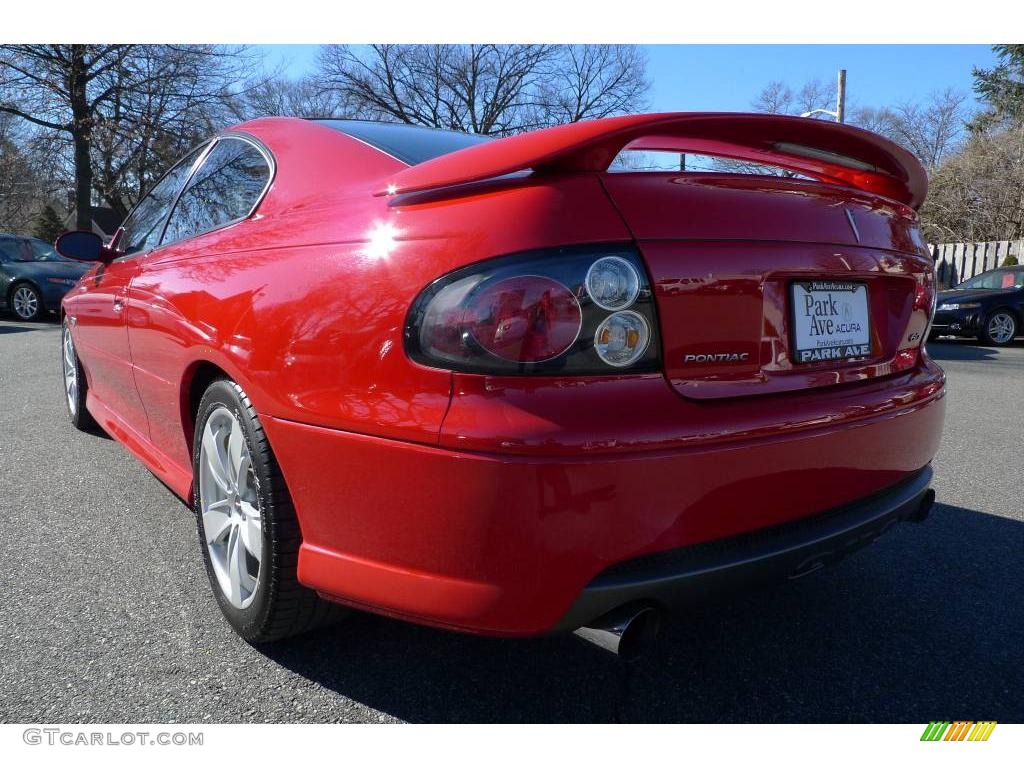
{"x":956,"y":262}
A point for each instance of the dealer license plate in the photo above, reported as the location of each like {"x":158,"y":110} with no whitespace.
{"x":830,"y":321}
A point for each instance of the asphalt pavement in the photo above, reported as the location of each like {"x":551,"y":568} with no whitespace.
{"x":107,"y":615}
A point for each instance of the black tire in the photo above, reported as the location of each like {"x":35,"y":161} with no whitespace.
{"x":281,"y":607}
{"x":38,"y":308}
{"x":986,"y":329}
{"x":78,"y":414}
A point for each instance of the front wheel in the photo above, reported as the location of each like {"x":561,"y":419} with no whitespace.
{"x":1000,"y":328}
{"x":75,"y":385}
{"x":27,"y":302}
{"x":248,"y":530}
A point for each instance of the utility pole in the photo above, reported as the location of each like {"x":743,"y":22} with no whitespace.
{"x":840,"y":113}
{"x":841,"y":98}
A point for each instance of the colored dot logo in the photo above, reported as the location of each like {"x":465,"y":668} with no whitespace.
{"x":959,"y":730}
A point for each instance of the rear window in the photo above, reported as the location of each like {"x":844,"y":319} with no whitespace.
{"x":412,"y":144}
{"x":663,"y":161}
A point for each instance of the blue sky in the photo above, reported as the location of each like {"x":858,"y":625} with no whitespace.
{"x":729,"y":77}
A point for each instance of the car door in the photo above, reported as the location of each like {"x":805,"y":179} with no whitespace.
{"x":1018,"y":296}
{"x":165,"y":297}
{"x":97,"y":307}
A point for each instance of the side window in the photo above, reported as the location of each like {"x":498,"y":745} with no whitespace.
{"x":41,"y":251}
{"x":143,"y":226}
{"x":10,"y":250}
{"x":224,"y":189}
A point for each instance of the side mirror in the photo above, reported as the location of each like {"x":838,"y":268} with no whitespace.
{"x":83,"y":245}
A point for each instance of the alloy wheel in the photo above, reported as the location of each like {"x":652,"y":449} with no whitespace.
{"x":230,"y":508}
{"x":70,"y":371}
{"x":1001,"y":328}
{"x":26,"y":303}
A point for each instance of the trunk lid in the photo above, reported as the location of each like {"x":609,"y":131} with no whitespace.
{"x":725,"y":253}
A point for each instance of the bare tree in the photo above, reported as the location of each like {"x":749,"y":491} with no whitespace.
{"x":491,"y":89}
{"x":60,"y":88}
{"x":816,"y":94}
{"x":592,"y":81}
{"x":777,"y":98}
{"x":978,"y":193}
{"x":288,"y":97}
{"x":931,"y":130}
{"x":877,"y":119}
{"x":184,"y":98}
{"x":24,"y":186}
{"x":111,"y":110}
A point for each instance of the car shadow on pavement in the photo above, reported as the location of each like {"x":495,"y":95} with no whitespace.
{"x":13,"y":325}
{"x":926,"y":624}
{"x":960,"y":350}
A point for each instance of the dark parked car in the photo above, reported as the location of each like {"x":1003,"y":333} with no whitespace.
{"x":34,"y":277}
{"x":989,"y":307}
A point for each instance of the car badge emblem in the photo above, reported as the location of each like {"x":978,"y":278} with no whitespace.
{"x":853,"y":223}
{"x":718,"y":357}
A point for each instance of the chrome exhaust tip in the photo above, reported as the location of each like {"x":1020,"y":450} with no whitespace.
{"x":924,"y":508}
{"x":628,"y":631}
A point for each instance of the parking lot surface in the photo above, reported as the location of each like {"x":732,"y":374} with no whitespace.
{"x":108,"y":616}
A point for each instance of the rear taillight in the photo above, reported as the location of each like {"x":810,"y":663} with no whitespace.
{"x":924,"y":293}
{"x":527,"y":319}
{"x":573,"y":310}
{"x":923,"y":312}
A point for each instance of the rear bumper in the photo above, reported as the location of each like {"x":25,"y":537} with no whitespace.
{"x":510,"y":540}
{"x":691,"y":575}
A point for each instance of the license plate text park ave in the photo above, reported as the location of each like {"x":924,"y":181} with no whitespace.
{"x":830,"y":321}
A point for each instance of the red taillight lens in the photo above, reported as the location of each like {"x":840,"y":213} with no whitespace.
{"x":524,"y":319}
{"x":919,"y":326}
{"x":536,"y":313}
{"x":924,"y":293}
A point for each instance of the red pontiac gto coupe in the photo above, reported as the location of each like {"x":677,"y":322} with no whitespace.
{"x":519,"y":385}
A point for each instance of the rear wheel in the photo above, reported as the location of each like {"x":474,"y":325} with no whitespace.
{"x":248,"y":530}
{"x":1000,"y":328}
{"x":27,"y":302}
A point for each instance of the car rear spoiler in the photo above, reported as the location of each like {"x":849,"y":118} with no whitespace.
{"x":830,"y":152}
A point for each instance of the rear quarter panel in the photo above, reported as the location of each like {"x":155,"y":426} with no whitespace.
{"x":305,"y":306}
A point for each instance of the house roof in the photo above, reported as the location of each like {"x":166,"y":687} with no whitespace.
{"x":106,"y":219}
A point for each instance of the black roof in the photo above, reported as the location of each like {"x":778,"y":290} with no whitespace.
{"x":411,"y":144}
